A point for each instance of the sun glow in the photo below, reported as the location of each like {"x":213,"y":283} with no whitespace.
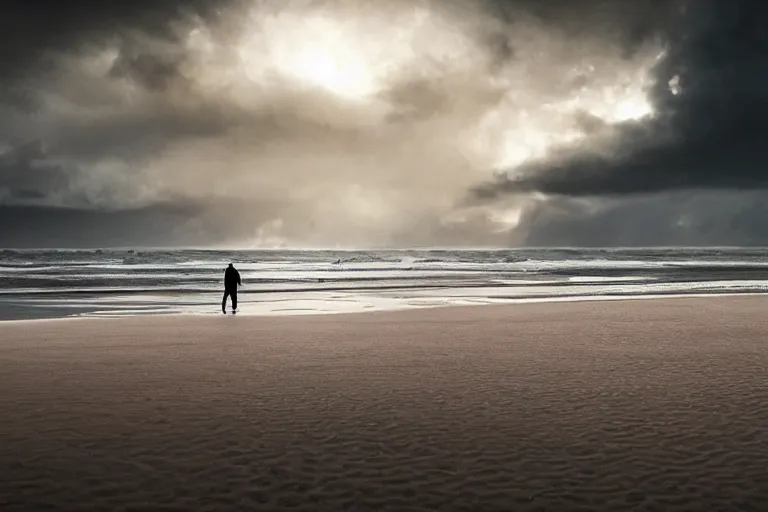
{"x":616,"y":104}
{"x":354,"y":53}
{"x":532,"y":132}
{"x":337,"y":70}
{"x":355,"y":57}
{"x":315,"y":52}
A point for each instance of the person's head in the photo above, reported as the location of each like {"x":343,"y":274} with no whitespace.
{"x":231,"y":265}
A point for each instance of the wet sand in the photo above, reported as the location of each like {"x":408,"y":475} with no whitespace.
{"x":633,"y":405}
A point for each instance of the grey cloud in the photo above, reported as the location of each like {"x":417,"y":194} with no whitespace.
{"x":149,"y":140}
{"x":26,"y":176}
{"x":680,"y":218}
{"x":734,"y":218}
{"x":709,"y":136}
{"x":30,"y":30}
{"x":149,"y":70}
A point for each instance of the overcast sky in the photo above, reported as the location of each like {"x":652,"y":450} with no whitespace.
{"x":395,"y":123}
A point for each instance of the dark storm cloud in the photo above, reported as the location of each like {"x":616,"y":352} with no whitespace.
{"x":118,"y":127}
{"x":57,"y":120}
{"x":51,"y":227}
{"x":675,"y":218}
{"x":711,"y":134}
{"x":635,"y":22}
{"x":31,"y":29}
{"x":180,"y":223}
{"x":25,"y":176}
{"x":149,"y":70}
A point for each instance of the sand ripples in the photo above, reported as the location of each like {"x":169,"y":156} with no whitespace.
{"x":599,"y":407}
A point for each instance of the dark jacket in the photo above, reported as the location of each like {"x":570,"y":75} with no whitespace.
{"x":232,"y":278}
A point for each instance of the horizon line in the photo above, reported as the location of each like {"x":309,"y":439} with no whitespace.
{"x":390,"y":249}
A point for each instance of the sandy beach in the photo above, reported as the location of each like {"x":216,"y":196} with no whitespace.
{"x":635,"y":405}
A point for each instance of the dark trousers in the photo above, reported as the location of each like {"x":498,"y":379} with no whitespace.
{"x":229,"y":293}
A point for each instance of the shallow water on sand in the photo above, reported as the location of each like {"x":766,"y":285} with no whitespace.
{"x":54,"y":283}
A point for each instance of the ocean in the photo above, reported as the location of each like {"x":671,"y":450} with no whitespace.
{"x":62,"y":283}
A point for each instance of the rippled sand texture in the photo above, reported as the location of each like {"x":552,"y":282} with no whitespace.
{"x":640,"y":405}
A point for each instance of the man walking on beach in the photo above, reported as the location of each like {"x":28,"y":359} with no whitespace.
{"x":231,"y":282}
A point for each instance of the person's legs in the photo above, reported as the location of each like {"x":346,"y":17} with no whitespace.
{"x":224,"y":301}
{"x":233,"y":294}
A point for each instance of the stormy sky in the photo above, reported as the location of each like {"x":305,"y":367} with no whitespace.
{"x":396,"y":123}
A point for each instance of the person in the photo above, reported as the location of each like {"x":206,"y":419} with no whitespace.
{"x":231,"y":282}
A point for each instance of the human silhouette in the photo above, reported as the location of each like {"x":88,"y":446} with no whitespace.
{"x":231,"y":282}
